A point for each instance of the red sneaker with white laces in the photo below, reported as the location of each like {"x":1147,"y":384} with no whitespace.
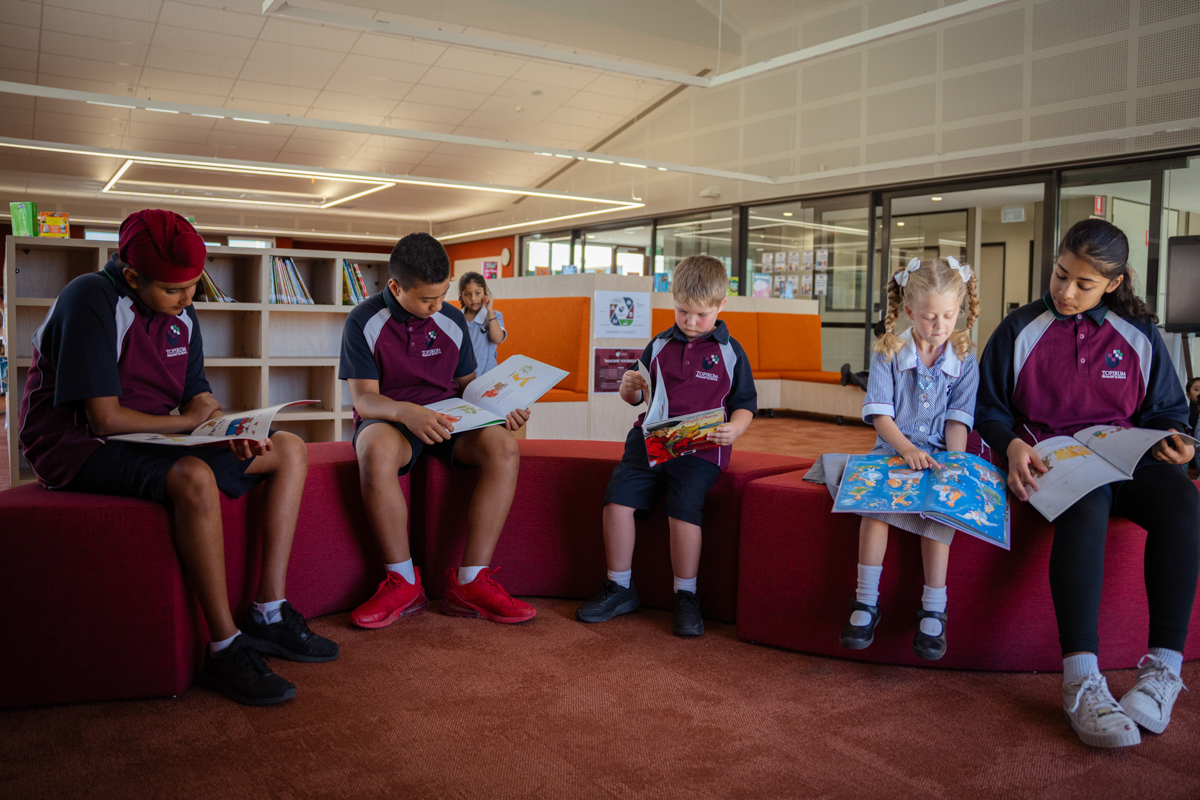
{"x":395,"y":598}
{"x":484,"y":597}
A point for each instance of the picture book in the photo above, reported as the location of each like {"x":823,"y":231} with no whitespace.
{"x":670,"y":437}
{"x":965,"y":492}
{"x":254,"y":425}
{"x":1091,"y":458}
{"x":518,"y":382}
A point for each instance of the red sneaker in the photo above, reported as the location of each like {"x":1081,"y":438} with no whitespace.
{"x":484,"y":597}
{"x":394,"y":598}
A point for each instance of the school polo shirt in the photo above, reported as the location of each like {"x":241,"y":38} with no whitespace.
{"x":709,"y":372}
{"x":415,"y":360}
{"x":99,"y":340}
{"x":1043,"y":374}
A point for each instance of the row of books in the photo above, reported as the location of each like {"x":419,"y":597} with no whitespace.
{"x":207,"y":291}
{"x":354,"y":288}
{"x":286,"y":284}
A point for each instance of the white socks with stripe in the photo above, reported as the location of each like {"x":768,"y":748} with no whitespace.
{"x":622,"y":579}
{"x":405,"y":568}
{"x":867,"y":593}
{"x":933,"y":600}
{"x":468,"y":574}
{"x":1170,"y":658}
{"x":1079,"y":666}
{"x":685,"y":584}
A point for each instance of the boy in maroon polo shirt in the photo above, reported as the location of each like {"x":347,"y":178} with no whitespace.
{"x":401,"y":350}
{"x":119,"y":350}
{"x":703,"y":367}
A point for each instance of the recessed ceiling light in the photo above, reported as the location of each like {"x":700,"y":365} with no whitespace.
{"x":935,"y":199}
{"x":787,"y":213}
{"x":901,"y":224}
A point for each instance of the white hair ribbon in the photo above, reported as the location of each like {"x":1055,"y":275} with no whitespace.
{"x":963,"y":270}
{"x":901,"y":277}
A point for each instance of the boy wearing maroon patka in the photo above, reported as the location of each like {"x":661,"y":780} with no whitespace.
{"x":118,"y":352}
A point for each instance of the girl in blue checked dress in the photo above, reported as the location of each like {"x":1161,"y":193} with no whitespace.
{"x":921,"y":400}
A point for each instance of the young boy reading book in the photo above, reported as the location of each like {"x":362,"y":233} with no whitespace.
{"x":119,"y":350}
{"x":702,"y":368}
{"x":403,"y":349}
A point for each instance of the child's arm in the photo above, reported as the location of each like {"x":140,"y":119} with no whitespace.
{"x":915,"y":457}
{"x":956,"y":436}
{"x":633,"y":387}
{"x":107,"y":417}
{"x":427,"y":424}
{"x":728,"y":433}
{"x":494,"y":322}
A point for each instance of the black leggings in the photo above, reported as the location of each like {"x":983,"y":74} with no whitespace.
{"x":1161,"y":499}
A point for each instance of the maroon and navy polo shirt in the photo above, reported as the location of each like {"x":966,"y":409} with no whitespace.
{"x":1044,"y":374}
{"x":415,"y":360}
{"x":711,"y":371}
{"x":99,"y":340}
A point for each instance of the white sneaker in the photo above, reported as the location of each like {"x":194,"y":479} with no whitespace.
{"x":1096,"y":716}
{"x":1150,"y":700}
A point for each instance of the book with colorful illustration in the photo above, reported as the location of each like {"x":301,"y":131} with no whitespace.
{"x":254,"y":425}
{"x":964,"y":492}
{"x":670,"y":437}
{"x":518,"y":382}
{"x":208,"y":291}
{"x":1075,"y":465}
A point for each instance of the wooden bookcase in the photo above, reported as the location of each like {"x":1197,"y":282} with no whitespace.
{"x":256,"y":353}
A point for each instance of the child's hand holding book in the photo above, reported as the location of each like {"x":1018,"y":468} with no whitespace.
{"x":428,"y":425}
{"x":631,"y":384}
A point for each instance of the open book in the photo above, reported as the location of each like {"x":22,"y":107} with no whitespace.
{"x":519,"y":382}
{"x":255,"y":425}
{"x":1091,"y":458}
{"x":670,"y":437}
{"x":966,"y":492}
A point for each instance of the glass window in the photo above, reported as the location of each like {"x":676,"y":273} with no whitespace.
{"x":547,"y":254}
{"x":709,"y":234}
{"x":260,"y":243}
{"x":101,"y":236}
{"x":620,"y":250}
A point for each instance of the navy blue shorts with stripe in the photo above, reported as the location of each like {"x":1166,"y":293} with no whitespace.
{"x":636,"y":484}
{"x":443,"y":449}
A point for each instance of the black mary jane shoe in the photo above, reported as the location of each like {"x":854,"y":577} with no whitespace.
{"x":859,"y":637}
{"x":930,"y":648}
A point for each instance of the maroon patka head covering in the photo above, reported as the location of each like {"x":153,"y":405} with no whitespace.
{"x":161,"y":245}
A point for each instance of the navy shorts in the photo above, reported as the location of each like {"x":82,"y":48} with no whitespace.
{"x":131,"y":469}
{"x":444,"y":449}
{"x":636,"y":484}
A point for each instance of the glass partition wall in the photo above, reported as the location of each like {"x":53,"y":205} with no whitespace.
{"x":706,"y":233}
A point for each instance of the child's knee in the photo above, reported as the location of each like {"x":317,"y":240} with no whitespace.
{"x":190,"y":481}
{"x":292,"y":449}
{"x":381,"y":458}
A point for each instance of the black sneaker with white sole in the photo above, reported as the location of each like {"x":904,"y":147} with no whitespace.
{"x":240,"y":673}
{"x":612,"y":600}
{"x":688,"y":621}
{"x":289,"y":638}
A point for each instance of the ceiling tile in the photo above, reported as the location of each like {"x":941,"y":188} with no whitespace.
{"x":393,"y":91}
{"x":381,"y":69}
{"x":23,"y":12}
{"x":187,"y":82}
{"x":521,"y":92}
{"x":398,"y":49}
{"x":375,"y":108}
{"x":189,"y":61}
{"x":265,"y":107}
{"x":217,"y":45}
{"x":409,"y":112}
{"x":461,"y":80}
{"x":550,"y":74}
{"x":213,"y":20}
{"x":636,"y":89}
{"x":446,"y":97}
{"x":98,"y":25}
{"x":17,"y":123}
{"x":271,"y":92}
{"x":68,"y":44}
{"x":18,"y":36}
{"x":107,"y":72}
{"x":305,"y":35}
{"x":80,"y":122}
{"x":310,"y":75}
{"x":472,"y":60}
{"x":20,"y":76}
{"x":143,"y":10}
{"x":346,"y":138}
{"x":14,"y":58}
{"x":168,"y":146}
{"x":602,"y":103}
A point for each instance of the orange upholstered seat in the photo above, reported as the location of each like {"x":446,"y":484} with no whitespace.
{"x":812,"y":376}
{"x":554,"y":330}
{"x":789,"y":343}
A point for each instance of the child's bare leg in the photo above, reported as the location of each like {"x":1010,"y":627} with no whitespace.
{"x":872,"y":542}
{"x":286,"y":466}
{"x":192,"y":490}
{"x":382,"y":451}
{"x":685,"y":548}
{"x":620,"y":534}
{"x":494,"y":450}
{"x":935,"y":557}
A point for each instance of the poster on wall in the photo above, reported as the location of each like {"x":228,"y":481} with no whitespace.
{"x":819,"y":284}
{"x":793,"y":260}
{"x":768,"y":262}
{"x":622,"y":315}
{"x":491,"y":270}
{"x":609,"y":365}
{"x":822,"y":259}
{"x":761,"y":285}
{"x":806,"y":284}
{"x":807,"y":261}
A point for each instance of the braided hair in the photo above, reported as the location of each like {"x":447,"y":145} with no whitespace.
{"x":933,"y":276}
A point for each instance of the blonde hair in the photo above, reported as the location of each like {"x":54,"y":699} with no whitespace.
{"x":700,"y":281}
{"x":934,"y":276}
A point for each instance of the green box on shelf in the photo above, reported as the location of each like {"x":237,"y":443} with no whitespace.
{"x":24,"y":218}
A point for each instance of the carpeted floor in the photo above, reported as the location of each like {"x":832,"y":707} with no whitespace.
{"x":441,"y":707}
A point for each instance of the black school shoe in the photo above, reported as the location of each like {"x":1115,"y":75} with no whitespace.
{"x":289,"y":638}
{"x":612,"y":600}
{"x":930,"y":647}
{"x":687,"y":615}
{"x":240,"y":673}
{"x":859,"y":637}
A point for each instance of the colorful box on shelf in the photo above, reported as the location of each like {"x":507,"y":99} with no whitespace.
{"x":55,"y":224}
{"x":24,"y":218}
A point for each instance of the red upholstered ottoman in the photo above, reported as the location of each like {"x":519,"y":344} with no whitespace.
{"x":797,"y":577}
{"x":553,"y":541}
{"x":92,"y":586}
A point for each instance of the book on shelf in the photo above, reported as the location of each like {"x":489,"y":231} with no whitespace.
{"x":254,"y":425}
{"x":287,"y":286}
{"x":518,"y":382}
{"x":207,"y":290}
{"x":354,"y":288}
{"x":670,"y":437}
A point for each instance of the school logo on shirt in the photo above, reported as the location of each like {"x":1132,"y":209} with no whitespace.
{"x":1112,"y":361}
{"x":430,"y":350}
{"x":173,"y":333}
{"x":711,"y":361}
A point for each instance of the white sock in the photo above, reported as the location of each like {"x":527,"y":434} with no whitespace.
{"x":933,"y":600}
{"x":405,"y":568}
{"x":1079,"y":666}
{"x":270,"y":612}
{"x":867,"y":593}
{"x":1171,"y":658}
{"x":685,"y":584}
{"x":216,"y":647}
{"x":468,"y":574}
{"x":622,"y":579}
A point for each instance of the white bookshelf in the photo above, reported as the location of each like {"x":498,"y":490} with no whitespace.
{"x":257,"y":353}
